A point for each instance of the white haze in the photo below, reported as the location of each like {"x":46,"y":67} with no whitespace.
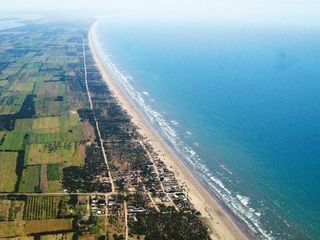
{"x":271,"y":12}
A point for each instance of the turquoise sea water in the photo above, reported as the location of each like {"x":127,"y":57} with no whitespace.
{"x":241,"y":104}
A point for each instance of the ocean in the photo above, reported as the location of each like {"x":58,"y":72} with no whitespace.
{"x":9,"y":23}
{"x":241,"y":104}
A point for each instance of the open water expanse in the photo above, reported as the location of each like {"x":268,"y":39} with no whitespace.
{"x":241,"y":104}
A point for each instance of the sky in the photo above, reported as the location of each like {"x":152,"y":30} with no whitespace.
{"x":301,"y":12}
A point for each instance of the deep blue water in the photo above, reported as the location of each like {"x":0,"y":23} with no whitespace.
{"x":243,"y":104}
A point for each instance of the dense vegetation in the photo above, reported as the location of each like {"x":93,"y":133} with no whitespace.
{"x":170,"y":225}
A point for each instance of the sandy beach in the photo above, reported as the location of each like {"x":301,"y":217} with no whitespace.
{"x":220,"y":222}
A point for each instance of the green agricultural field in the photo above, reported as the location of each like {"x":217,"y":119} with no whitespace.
{"x":25,"y":87}
{"x":48,"y":107}
{"x":46,"y":124}
{"x":2,"y":135}
{"x":13,"y":140}
{"x":54,"y":172}
{"x":70,"y":129}
{"x":51,"y":89}
{"x":24,"y":124}
{"x":41,"y":207}
{"x":48,"y":129}
{"x":54,"y":152}
{"x":68,"y":123}
{"x":42,"y":138}
{"x":51,"y":99}
{"x":55,"y":186}
{"x":8,"y":162}
{"x":11,"y":103}
{"x":30,"y":179}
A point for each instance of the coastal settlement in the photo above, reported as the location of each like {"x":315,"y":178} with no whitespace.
{"x":73,"y":165}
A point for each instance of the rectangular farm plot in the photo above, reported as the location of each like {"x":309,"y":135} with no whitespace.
{"x":55,"y":186}
{"x":4,"y":209}
{"x":46,"y":124}
{"x":49,"y":107}
{"x":51,"y":89}
{"x":51,"y":225}
{"x":24,"y":124}
{"x":54,"y":175}
{"x":16,"y":210}
{"x":41,"y":207}
{"x":68,"y":123}
{"x":11,"y":210}
{"x":54,"y":172}
{"x":30,"y":179}
{"x":55,"y":152}
{"x":11,"y":103}
{"x":75,"y":134}
{"x":22,"y":228}
{"x":8,"y":162}
{"x":23,"y":87}
{"x":12,"y":229}
{"x":13,"y":140}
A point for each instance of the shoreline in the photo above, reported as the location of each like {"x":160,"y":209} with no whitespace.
{"x":219,"y":220}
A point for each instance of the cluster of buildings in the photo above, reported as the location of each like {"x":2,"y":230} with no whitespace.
{"x":170,"y":187}
{"x":98,"y":205}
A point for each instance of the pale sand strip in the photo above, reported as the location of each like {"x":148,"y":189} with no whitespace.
{"x":221,"y":224}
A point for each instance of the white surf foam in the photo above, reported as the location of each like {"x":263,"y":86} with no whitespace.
{"x":175,"y":123}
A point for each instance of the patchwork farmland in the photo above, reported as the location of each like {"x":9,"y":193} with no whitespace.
{"x":43,"y":138}
{"x":73,"y":164}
